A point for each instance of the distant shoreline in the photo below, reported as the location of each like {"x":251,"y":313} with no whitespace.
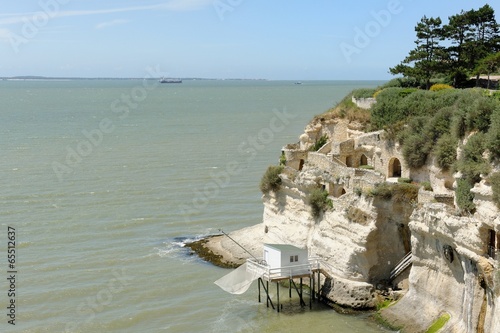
{"x":50,"y":78}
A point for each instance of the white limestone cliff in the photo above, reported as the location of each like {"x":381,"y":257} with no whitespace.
{"x":361,"y":239}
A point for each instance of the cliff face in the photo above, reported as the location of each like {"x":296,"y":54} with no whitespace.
{"x":450,"y":274}
{"x":359,"y":240}
{"x":362,"y":238}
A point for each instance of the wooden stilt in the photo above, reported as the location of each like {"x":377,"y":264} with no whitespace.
{"x":278,"y":295}
{"x":258,"y":286}
{"x":301,"y":293}
{"x":290,"y":288}
{"x":319,"y":286}
{"x":311,"y":281}
{"x":267,"y":292}
{"x":268,"y":298}
{"x":302,"y":303}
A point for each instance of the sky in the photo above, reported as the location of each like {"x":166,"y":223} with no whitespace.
{"x":250,"y":39}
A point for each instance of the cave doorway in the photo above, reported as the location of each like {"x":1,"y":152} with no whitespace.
{"x":492,"y":243}
{"x":363,"y":160}
{"x":301,"y":164}
{"x":348,"y":161}
{"x":395,"y":168}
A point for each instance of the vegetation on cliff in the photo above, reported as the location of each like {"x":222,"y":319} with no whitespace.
{"x":423,"y":111}
{"x":271,"y":180}
{"x":318,"y":199}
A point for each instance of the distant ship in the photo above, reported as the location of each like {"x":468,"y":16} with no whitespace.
{"x":163,"y":80}
{"x":298,"y":82}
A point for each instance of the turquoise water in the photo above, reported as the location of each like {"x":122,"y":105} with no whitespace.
{"x":104,"y":181}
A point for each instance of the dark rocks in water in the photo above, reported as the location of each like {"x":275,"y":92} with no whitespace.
{"x":207,"y":254}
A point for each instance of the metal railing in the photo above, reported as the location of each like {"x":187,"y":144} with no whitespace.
{"x":259,"y":267}
{"x":401,"y":266}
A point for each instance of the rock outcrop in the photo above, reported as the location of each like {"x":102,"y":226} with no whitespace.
{"x":364,"y":235}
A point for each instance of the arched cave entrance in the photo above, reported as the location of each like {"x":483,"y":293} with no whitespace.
{"x":363,"y":160}
{"x":301,"y":164}
{"x":348,"y":161}
{"x":394,"y":168}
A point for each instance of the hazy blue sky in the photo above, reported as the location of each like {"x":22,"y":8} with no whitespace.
{"x":272,"y":39}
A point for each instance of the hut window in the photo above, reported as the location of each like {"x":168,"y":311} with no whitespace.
{"x":291,"y":258}
{"x":296,"y":258}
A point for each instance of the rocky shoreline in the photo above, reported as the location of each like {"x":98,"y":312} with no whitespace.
{"x":221,"y":251}
{"x":204,"y":251}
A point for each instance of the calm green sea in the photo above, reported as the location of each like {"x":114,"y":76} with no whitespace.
{"x":104,"y":181}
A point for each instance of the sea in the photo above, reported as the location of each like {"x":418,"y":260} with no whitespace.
{"x":104,"y":182}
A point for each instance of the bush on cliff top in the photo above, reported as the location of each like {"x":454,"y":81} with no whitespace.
{"x":363,"y":93}
{"x":319,"y":143}
{"x":495,"y":186}
{"x":271,"y":180}
{"x":464,"y":197}
{"x":318,"y":199}
{"x":400,"y":192}
{"x":346,"y":109}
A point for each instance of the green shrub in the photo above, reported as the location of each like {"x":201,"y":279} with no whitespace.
{"x":439,"y":124}
{"x":319,"y":143}
{"x":363,"y":93}
{"x":415,"y":150}
{"x":382,"y":190}
{"x":358,"y":191}
{"x":446,"y":151}
{"x":440,"y":86}
{"x":386,"y":110}
{"x":404,"y":192}
{"x":496,"y":95}
{"x":427,"y":103}
{"x":427,"y":186}
{"x":404,"y":180}
{"x":457,"y":126}
{"x":400,"y":192}
{"x":401,"y":82}
{"x":464,"y":197}
{"x":318,"y":199}
{"x":495,"y":186}
{"x":493,"y":138}
{"x":471,"y":163}
{"x":479,"y":113}
{"x":283,"y":159}
{"x":271,"y":180}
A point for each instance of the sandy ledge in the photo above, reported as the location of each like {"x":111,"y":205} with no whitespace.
{"x":221,"y":251}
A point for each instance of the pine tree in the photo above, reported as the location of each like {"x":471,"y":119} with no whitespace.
{"x":427,"y":57}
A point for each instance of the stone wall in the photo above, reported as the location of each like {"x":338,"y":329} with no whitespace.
{"x":364,"y":103}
